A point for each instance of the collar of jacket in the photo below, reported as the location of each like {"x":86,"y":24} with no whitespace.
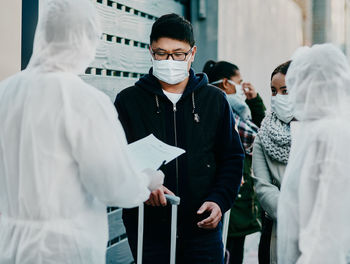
{"x":150,"y":83}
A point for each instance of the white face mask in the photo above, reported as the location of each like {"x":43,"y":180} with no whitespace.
{"x":239,"y":89}
{"x":170,"y":71}
{"x":281,"y":105}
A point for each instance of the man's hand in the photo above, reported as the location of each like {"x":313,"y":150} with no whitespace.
{"x":214,"y":218}
{"x":249,"y":91}
{"x":157,"y":197}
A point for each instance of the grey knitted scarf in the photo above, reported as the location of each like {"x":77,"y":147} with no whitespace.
{"x":275,"y":137}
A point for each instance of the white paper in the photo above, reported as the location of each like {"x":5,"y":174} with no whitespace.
{"x":150,"y":152}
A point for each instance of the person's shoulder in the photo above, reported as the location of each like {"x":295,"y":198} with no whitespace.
{"x":4,"y":83}
{"x":78,"y":89}
{"x":212,"y":89}
{"x":326,"y":129}
{"x":258,"y":147}
{"x":82,"y":87}
{"x":129,"y":93}
{"x":63,"y":79}
{"x":212,"y":93}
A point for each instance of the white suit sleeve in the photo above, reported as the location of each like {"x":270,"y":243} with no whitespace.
{"x":99,"y":147}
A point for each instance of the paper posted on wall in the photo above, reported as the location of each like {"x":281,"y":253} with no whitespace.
{"x":150,"y":152}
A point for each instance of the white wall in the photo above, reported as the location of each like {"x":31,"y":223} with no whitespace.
{"x":257,"y":36}
{"x":10,"y":37}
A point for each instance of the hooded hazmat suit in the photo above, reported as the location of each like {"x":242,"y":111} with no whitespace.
{"x":62,"y":149}
{"x":313,"y":209}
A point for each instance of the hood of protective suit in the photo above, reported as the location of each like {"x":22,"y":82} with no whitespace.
{"x":313,"y":199}
{"x":66,"y":36}
{"x":317,"y":80}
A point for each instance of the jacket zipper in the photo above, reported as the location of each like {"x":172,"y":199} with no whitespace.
{"x":176,"y":160}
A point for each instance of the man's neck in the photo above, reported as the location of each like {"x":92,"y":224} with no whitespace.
{"x":178,"y":88}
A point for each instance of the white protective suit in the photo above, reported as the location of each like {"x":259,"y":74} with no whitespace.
{"x":62,"y":149}
{"x":313,"y":209}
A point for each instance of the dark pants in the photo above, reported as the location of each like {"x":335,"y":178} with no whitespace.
{"x":201,"y":249}
{"x":265,"y":239}
{"x":235,"y":246}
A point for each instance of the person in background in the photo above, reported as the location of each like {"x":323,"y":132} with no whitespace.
{"x":181,"y":109}
{"x":313,"y":208}
{"x":248,"y":110}
{"x":270,"y":157}
{"x":63,"y":155}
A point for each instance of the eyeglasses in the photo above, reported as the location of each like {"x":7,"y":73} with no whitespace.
{"x":177,"y":56}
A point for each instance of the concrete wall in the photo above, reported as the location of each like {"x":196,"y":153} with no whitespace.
{"x":204,"y":18}
{"x":257,"y":36}
{"x":331,"y":23}
{"x":10,"y":32}
{"x":336,"y":33}
{"x":306,"y":11}
{"x":347,"y":27}
{"x":320,"y":20}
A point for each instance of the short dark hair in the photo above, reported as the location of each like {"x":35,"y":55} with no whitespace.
{"x":172,"y":26}
{"x":219,"y":70}
{"x":283,"y":68}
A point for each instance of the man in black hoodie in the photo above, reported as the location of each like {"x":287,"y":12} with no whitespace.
{"x":180,"y":108}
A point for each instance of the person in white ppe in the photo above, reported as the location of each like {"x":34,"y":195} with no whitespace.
{"x":63,"y":154}
{"x":313,"y":209}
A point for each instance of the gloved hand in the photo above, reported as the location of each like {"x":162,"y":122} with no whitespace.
{"x":156,"y":178}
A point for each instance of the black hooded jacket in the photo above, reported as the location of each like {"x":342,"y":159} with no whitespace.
{"x":202,"y":124}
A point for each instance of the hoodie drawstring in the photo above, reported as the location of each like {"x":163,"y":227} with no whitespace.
{"x":157,"y":103}
{"x":194,"y":112}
